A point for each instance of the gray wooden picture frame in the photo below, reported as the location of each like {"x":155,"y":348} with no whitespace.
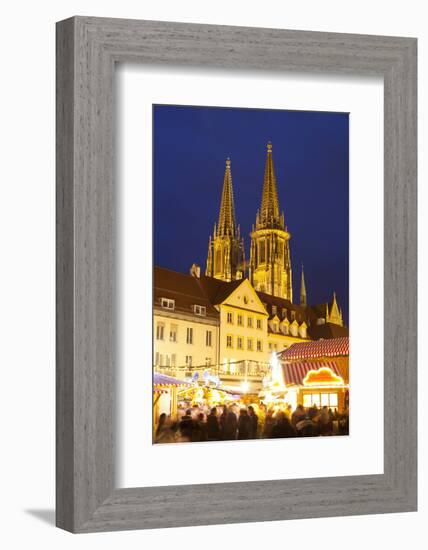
{"x":87,"y":51}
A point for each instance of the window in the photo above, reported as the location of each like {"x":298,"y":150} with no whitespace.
{"x":161,"y":360}
{"x":320,"y":400}
{"x":240,"y":342}
{"x":259,"y":345}
{"x":284,"y":312}
{"x":262,"y":252}
{"x":207,"y":361}
{"x":275,"y":327}
{"x":240,"y":320}
{"x":157,"y":358}
{"x":230,"y":317}
{"x":285,"y":328}
{"x":273,"y":309}
{"x":167,"y":303}
{"x":189,"y":360}
{"x":160,"y":331}
{"x":270,"y":345}
{"x":259,"y":323}
{"x":173,"y":333}
{"x":209,"y":338}
{"x":189,"y":335}
{"x":293,"y":315}
{"x":229,"y":341}
{"x":200,"y":310}
{"x":250,"y":322}
{"x":173,"y":360}
{"x":250,"y":344}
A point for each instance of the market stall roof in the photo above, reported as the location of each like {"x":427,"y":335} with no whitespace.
{"x":333,"y":347}
{"x":295,"y":373}
{"x":168,"y":381}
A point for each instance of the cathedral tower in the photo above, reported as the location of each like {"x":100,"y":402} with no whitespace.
{"x":270,"y":265}
{"x":226,"y":258}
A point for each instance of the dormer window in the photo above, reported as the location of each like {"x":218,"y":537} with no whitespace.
{"x":275,"y":327}
{"x":284,"y":312}
{"x":167,"y":303}
{"x":199,"y":310}
{"x":293,"y":315}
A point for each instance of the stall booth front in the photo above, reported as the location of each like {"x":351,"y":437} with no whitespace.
{"x":165,"y":395}
{"x":316,"y":383}
{"x":318,"y":373}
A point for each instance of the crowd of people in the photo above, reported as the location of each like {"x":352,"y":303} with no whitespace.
{"x":255,"y":421}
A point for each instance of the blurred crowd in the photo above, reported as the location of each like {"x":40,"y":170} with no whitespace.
{"x":253,"y":422}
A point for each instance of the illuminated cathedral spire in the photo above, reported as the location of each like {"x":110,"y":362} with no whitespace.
{"x":303,"y":297}
{"x":226,"y":219}
{"x":226,"y":259}
{"x":268,"y":215}
{"x":270,"y":264}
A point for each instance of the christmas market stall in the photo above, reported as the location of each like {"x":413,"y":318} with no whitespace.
{"x":310,"y":373}
{"x":165,"y":394}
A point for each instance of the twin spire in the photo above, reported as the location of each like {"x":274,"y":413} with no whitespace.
{"x":269,"y":215}
{"x":226,"y":220}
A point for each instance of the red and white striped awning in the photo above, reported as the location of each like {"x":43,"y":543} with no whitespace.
{"x":295,"y":373}
{"x":333,"y":347}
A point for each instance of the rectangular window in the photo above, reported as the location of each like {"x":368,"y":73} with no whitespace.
{"x":160,"y":328}
{"x":209,"y":338}
{"x":240,"y":320}
{"x":250,"y":344}
{"x":262,"y":252}
{"x":240,"y":342}
{"x":230,"y":317}
{"x":161,"y":360}
{"x":270,"y":345}
{"x":273,"y":309}
{"x":250,"y":322}
{"x":167,"y":303}
{"x":207,"y":361}
{"x":167,"y":360}
{"x":173,"y":360}
{"x":259,"y":323}
{"x":229,"y":341}
{"x":189,"y":360}
{"x":200,"y":310}
{"x":259,"y":345}
{"x":173,"y":333}
{"x":293,"y":315}
{"x":284,"y":312}
{"x":189,"y":335}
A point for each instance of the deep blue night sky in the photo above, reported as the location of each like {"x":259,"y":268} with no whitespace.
{"x":310,"y":153}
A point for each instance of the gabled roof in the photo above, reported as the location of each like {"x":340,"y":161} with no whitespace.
{"x":334,"y":347}
{"x":185,"y":290}
{"x":216,"y":290}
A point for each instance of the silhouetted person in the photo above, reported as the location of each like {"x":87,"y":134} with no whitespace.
{"x":213,"y":426}
{"x":282,"y":427}
{"x":244,"y":425}
{"x":254,"y":422}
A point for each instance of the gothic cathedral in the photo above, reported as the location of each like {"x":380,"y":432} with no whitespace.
{"x":269,"y":268}
{"x":226,"y":257}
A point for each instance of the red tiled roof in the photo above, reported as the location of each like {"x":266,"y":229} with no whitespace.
{"x":321,"y":348}
{"x":294,"y":373}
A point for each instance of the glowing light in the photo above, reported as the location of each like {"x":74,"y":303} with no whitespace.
{"x":322,"y":377}
{"x":245,"y":386}
{"x":276,"y":370}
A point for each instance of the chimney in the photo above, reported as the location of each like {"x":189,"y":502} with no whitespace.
{"x":195,"y":271}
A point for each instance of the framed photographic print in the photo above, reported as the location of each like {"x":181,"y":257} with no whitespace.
{"x":236,"y":274}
